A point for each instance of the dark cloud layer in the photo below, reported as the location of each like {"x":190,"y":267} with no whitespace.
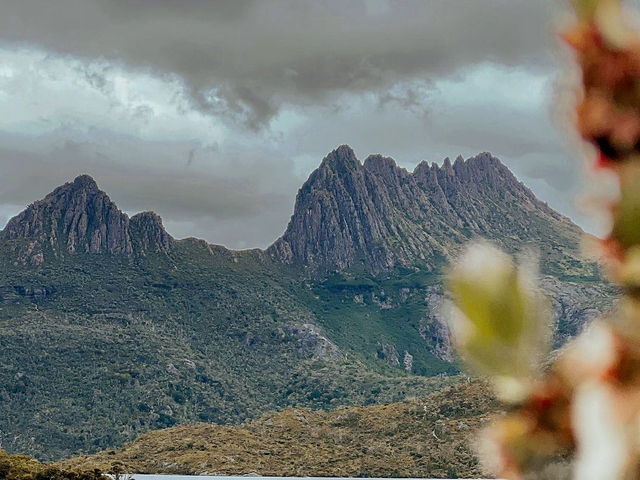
{"x":245,"y":58}
{"x":212,"y":113}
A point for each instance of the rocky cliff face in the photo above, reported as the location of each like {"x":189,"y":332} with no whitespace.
{"x":148,"y":233}
{"x":78,"y":217}
{"x":574,"y":307}
{"x":382,"y":216}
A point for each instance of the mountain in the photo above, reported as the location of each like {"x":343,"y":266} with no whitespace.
{"x":80,"y":218}
{"x":383,"y":217}
{"x":110,"y":327}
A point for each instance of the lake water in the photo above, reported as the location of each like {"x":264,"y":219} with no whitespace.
{"x":211,"y":477}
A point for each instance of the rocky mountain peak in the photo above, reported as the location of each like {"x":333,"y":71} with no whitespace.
{"x":380,"y":164}
{"x":343,"y":155}
{"x":85,"y":182}
{"x":78,"y":217}
{"x":148,"y":233}
{"x":340,"y":161}
{"x":380,"y":216}
{"x":483,"y":165}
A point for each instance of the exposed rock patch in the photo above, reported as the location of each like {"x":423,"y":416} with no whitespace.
{"x":312,"y":343}
{"x":390,"y":354}
{"x":148,"y":233}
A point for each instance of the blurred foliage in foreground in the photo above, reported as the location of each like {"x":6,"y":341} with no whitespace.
{"x":586,"y":406}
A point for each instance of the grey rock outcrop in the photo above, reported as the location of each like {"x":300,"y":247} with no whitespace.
{"x":78,"y":217}
{"x":390,"y":354}
{"x":312,"y":343}
{"x":407,"y":361}
{"x":382,"y":216}
{"x":148,"y":233}
{"x":576,"y":305}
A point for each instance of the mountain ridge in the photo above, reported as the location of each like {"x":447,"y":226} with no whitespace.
{"x":111,"y":328}
{"x":381,"y":216}
{"x":373,"y":213}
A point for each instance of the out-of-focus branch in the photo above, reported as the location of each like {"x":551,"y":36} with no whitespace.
{"x":586,"y":407}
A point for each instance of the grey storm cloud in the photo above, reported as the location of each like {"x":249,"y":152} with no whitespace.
{"x":173,"y":106}
{"x":246,"y":58}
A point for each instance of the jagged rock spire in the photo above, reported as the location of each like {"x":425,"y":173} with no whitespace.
{"x":148,"y":233}
{"x":381,"y":216}
{"x":78,"y":217}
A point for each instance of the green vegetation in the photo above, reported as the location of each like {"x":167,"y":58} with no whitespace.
{"x":100,"y":348}
{"x":424,"y":438}
{"x":362,"y":313}
{"x":22,"y":467}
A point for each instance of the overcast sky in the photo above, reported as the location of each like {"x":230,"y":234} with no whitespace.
{"x":213,"y":113}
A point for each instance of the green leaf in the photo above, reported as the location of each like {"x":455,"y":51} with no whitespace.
{"x":501,"y":320}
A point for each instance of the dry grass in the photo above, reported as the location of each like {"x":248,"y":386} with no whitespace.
{"x":428,"y":437}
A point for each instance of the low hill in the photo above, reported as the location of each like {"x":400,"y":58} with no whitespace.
{"x":23,"y":467}
{"x":421,"y":438}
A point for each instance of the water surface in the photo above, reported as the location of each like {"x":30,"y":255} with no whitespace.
{"x":244,"y":477}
